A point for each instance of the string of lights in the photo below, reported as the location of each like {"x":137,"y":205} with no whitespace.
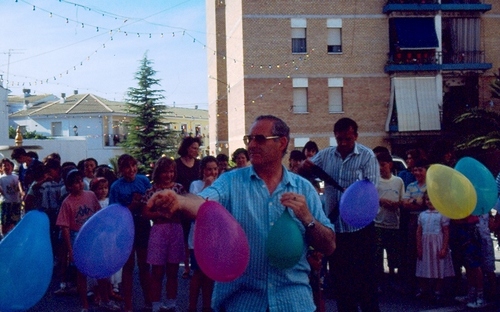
{"x":285,"y":68}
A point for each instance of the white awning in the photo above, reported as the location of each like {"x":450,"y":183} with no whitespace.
{"x":417,"y":104}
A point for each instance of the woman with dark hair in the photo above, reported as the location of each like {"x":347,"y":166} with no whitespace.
{"x":188,"y":164}
{"x":240,"y":157}
{"x":188,"y":170}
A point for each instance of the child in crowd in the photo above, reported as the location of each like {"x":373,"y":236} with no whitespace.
{"x":488,"y":256}
{"x":10,"y":193}
{"x":166,"y":241}
{"x":128,"y":191}
{"x":390,"y":190}
{"x":88,"y":169}
{"x":412,"y":206}
{"x":100,"y":187}
{"x":434,"y":259}
{"x":199,"y":281}
{"x":75,"y":210}
{"x":465,"y":243}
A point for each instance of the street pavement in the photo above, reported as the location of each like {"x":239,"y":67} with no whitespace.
{"x":391,"y":299}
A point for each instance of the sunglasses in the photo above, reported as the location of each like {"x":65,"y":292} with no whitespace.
{"x":259,"y":138}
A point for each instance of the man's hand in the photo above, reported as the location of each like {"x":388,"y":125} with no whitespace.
{"x":165,"y":201}
{"x":298,"y":204}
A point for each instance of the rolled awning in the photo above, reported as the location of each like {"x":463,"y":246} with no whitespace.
{"x":415,"y":33}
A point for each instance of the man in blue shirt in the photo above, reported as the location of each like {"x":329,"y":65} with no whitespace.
{"x":257,"y":196}
{"x":353,"y":263}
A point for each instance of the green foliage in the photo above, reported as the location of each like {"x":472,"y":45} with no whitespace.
{"x":148,"y":138}
{"x":477,"y":129}
{"x":28,"y":135}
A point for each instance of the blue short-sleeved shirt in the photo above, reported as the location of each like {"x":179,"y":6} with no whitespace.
{"x":122,"y":191}
{"x":358,"y":165}
{"x":263,"y":287}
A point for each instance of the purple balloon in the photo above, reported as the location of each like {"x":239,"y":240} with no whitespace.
{"x":105,"y":242}
{"x":220,"y":244}
{"x":359,"y":203}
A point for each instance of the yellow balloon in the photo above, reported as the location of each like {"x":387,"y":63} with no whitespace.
{"x":450,"y":191}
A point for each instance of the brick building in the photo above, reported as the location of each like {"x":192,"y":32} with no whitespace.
{"x":401,"y":68}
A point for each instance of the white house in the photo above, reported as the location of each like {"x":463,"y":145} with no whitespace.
{"x":16,"y":103}
{"x":85,"y":125}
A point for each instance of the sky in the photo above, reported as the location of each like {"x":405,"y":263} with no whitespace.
{"x":95,"y":46}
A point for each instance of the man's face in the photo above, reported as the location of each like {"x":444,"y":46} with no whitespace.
{"x":267,"y":151}
{"x":346,"y":140}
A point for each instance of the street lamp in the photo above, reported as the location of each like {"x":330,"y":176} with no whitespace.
{"x":75,"y":130}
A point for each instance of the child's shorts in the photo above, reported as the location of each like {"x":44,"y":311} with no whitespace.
{"x":166,"y":244}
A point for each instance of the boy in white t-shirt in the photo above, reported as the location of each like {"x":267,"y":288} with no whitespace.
{"x":10,"y":194}
{"x":390,"y":190}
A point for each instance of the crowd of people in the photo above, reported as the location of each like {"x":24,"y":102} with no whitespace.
{"x":423,"y":247}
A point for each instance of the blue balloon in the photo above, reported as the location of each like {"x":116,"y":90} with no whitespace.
{"x":26,"y":263}
{"x":104,"y":242}
{"x":359,"y":203}
{"x":483,"y":181}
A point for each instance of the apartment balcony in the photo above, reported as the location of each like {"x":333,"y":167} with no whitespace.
{"x":466,"y":60}
{"x":434,"y":5}
{"x":421,"y":60}
{"x":411,"y":5}
{"x":412,"y":60}
{"x":464,"y":5}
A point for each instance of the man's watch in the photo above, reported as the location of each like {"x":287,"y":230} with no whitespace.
{"x":311,"y":225}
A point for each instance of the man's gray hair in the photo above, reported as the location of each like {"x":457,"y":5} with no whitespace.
{"x":280,"y":128}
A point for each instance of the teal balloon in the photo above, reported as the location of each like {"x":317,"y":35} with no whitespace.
{"x":483,"y":181}
{"x":285,"y":244}
{"x":26,"y":263}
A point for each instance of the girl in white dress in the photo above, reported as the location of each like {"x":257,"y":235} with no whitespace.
{"x":434,"y":258}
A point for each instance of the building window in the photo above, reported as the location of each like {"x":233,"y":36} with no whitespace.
{"x":299,"y":43}
{"x":462,"y":40}
{"x":184,"y":130}
{"x":300,"y":95}
{"x":334,"y":40}
{"x":197,"y":131}
{"x":335,"y":86}
{"x":56,"y":128}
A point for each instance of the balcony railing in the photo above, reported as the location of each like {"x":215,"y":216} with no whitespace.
{"x":412,"y":2}
{"x":465,"y":60}
{"x":463,"y":57}
{"x":428,"y":60}
{"x":435,"y":5}
{"x":461,"y":1}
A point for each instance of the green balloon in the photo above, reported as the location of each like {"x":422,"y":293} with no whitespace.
{"x":285,"y":244}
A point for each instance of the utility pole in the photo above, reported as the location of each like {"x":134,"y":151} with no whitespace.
{"x":9,"y":53}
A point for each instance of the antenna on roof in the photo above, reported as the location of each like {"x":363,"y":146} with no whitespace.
{"x":9,"y":53}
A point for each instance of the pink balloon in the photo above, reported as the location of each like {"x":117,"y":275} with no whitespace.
{"x":220,"y":244}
